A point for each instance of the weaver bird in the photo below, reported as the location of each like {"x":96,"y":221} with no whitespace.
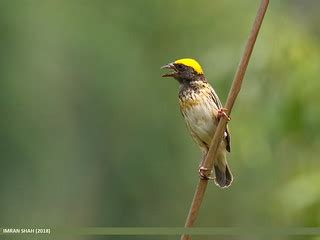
{"x":201,"y":109}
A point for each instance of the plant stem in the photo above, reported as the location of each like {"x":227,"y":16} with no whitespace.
{"x":217,"y":138}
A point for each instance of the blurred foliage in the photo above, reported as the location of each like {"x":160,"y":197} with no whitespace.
{"x":91,"y":135}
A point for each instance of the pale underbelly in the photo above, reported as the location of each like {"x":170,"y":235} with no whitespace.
{"x":200,"y":119}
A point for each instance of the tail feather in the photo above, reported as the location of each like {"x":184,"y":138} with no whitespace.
{"x":223,"y":176}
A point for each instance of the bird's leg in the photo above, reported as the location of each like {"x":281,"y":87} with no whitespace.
{"x":203,"y":174}
{"x":203,"y":170}
{"x":222,"y":113}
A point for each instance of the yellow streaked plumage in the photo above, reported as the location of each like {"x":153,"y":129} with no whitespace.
{"x":201,"y":110}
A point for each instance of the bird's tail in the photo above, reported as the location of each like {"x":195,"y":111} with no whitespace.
{"x":223,"y":175}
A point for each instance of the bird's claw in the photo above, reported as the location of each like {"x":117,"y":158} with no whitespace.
{"x":203,"y":173}
{"x":222,"y":113}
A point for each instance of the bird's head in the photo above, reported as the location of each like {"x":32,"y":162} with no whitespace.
{"x":184,"y":70}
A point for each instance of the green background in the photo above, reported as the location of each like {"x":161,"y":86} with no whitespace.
{"x":92,"y":136}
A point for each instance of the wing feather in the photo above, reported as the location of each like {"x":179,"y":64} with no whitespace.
{"x":217,"y":101}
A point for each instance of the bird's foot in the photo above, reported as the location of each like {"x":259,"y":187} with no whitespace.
{"x":203,"y":173}
{"x":222,"y":113}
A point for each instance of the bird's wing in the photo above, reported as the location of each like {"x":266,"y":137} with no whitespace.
{"x":217,"y":101}
{"x":227,"y":139}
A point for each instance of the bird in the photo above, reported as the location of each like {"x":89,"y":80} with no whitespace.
{"x":201,"y":109}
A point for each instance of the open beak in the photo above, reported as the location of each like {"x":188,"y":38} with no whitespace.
{"x":169,"y":66}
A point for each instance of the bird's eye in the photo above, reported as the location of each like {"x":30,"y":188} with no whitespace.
{"x":179,"y":67}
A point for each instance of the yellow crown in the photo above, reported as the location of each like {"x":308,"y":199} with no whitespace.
{"x":190,"y":63}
